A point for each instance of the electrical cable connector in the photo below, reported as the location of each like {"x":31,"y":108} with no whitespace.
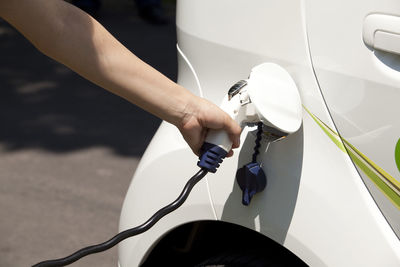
{"x":211,"y":157}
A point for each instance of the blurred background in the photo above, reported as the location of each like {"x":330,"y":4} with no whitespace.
{"x":68,"y":149}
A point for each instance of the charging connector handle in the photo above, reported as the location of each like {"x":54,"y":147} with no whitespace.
{"x":218,"y":143}
{"x":211,"y":157}
{"x":130,"y":232}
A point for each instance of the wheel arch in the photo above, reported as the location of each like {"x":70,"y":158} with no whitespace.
{"x":193,"y":242}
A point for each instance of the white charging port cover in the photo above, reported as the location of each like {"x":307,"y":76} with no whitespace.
{"x":275,"y":97}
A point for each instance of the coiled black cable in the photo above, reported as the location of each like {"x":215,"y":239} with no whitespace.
{"x":130,"y":232}
{"x":258,"y":142}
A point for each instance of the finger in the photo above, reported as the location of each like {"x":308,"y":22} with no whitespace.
{"x":201,"y":141}
{"x":194,"y":134}
{"x":196,"y":143}
{"x":230,"y":154}
{"x":232,"y":127}
{"x":235,"y":140}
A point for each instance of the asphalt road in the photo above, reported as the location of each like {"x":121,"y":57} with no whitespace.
{"x":68,"y":149}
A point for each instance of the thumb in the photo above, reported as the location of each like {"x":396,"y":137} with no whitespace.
{"x":233,"y":129}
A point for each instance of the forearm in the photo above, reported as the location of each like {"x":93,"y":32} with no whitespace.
{"x":75,"y":39}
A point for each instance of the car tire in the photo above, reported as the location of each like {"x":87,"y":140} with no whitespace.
{"x":243,"y":259}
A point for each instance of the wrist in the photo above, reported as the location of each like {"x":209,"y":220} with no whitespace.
{"x":182,"y":108}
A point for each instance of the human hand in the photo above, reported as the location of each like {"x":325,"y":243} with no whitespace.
{"x":201,"y":115}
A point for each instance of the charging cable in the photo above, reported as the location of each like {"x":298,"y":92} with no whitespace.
{"x":130,"y":232}
{"x":211,"y":157}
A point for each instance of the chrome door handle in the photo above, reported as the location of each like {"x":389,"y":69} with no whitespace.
{"x":382,"y":32}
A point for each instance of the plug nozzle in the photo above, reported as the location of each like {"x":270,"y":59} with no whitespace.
{"x":211,"y":157}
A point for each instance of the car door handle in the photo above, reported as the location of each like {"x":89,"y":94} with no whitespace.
{"x":382,"y":32}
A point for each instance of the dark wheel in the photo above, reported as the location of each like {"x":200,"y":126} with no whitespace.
{"x":252,"y":258}
{"x":219,"y":244}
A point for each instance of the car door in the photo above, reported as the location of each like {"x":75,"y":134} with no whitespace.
{"x":355,"y":47}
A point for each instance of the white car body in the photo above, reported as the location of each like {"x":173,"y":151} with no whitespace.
{"x":333,"y":192}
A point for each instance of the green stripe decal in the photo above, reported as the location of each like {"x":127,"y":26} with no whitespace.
{"x":376,"y":179}
{"x":387,"y":184}
{"x":331,"y":134}
{"x":389,"y":179}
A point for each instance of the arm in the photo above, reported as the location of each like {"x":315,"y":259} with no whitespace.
{"x":72,"y":37}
